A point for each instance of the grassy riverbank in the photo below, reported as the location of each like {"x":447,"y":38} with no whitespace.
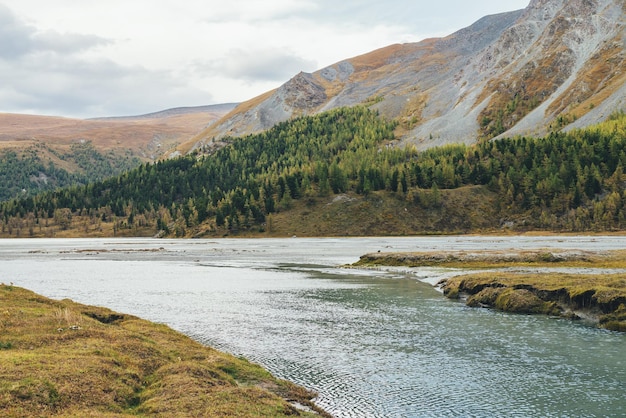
{"x":61,"y":358}
{"x":501,"y":280}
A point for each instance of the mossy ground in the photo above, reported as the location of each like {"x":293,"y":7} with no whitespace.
{"x":602,"y":296}
{"x":60,"y":358}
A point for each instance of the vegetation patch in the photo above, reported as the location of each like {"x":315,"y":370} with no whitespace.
{"x":615,"y":321}
{"x":601,"y":297}
{"x":498,"y":259}
{"x":524,"y":301}
{"x":60,"y":358}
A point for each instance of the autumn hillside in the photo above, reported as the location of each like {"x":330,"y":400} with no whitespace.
{"x":343,"y":173}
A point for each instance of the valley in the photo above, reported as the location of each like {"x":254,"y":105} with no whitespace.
{"x":40,"y":153}
{"x":490,"y":161}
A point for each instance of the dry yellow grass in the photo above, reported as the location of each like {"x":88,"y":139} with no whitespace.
{"x":60,"y":358}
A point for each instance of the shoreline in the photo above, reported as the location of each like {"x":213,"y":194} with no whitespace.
{"x":62,"y":358}
{"x":572,"y":284}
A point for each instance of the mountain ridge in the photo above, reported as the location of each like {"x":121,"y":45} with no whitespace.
{"x":527,"y":72}
{"x":148,"y":136}
{"x":220,"y":108}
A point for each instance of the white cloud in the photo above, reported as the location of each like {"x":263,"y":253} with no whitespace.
{"x":120,"y":57}
{"x":66,"y":43}
{"x":19,"y":38}
{"x":44,"y":72}
{"x":91,"y":88}
{"x":258,"y":11}
{"x":258,"y":65}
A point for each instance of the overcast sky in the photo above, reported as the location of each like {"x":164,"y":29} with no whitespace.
{"x":126,"y":57}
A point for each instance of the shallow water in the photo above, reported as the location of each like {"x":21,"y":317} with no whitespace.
{"x":371,"y":343}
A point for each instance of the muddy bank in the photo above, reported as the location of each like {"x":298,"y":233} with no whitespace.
{"x":504,"y":284}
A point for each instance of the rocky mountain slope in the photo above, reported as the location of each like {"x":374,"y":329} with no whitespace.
{"x":554,"y":65}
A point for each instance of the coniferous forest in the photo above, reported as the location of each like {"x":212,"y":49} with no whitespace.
{"x":562,"y":182}
{"x":24,"y":173}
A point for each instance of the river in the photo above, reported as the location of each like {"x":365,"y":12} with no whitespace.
{"x":371,"y":343}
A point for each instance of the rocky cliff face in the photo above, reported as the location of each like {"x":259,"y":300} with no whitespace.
{"x":555,"y":65}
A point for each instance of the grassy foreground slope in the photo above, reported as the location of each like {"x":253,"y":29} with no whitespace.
{"x":60,"y":358}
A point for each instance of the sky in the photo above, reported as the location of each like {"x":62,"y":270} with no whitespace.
{"x":128,"y":57}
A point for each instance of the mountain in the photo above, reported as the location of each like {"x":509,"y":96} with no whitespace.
{"x":555,"y":65}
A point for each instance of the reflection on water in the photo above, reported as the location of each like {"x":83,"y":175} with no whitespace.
{"x":371,"y":343}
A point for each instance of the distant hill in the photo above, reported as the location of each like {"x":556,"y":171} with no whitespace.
{"x":556,"y":64}
{"x":146,"y":136}
{"x":42,"y":152}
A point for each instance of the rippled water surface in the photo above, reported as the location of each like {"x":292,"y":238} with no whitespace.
{"x":371,"y":343}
